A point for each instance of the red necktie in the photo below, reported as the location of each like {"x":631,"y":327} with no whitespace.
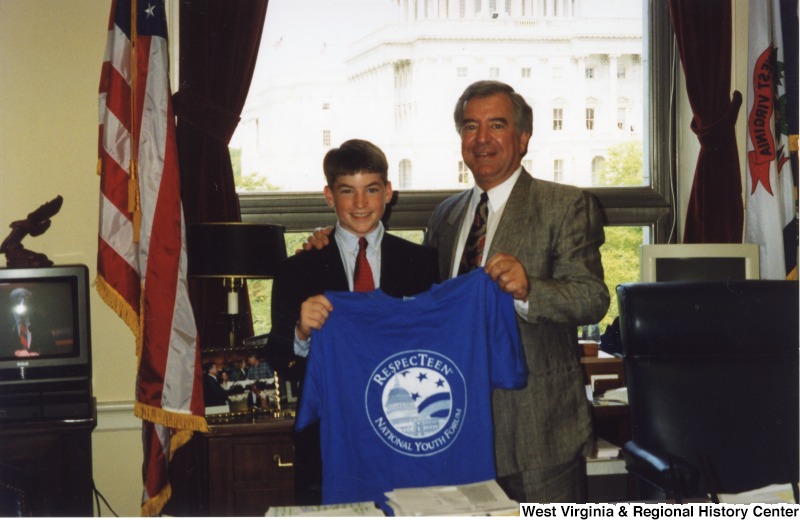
{"x":362,"y":277}
{"x":473,"y":249}
{"x":23,"y":334}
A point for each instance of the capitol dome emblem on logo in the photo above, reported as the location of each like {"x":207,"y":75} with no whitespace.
{"x":416,"y":402}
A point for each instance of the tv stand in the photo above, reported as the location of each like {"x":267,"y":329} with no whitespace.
{"x":55,"y":456}
{"x":46,"y":400}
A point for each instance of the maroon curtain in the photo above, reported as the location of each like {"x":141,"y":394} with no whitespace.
{"x":703,"y":33}
{"x":219,"y":43}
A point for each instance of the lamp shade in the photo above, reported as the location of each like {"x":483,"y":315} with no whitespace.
{"x":234,"y":249}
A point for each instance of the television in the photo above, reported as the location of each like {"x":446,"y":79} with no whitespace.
{"x":699,"y":262}
{"x":45,"y":343}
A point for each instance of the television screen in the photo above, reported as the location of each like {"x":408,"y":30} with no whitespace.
{"x":45,"y":343}
{"x":38,"y":319}
{"x":44,"y":315}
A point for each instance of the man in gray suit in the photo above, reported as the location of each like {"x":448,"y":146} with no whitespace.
{"x":542,"y":244}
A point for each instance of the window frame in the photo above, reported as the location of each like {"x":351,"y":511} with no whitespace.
{"x":558,"y":169}
{"x":648,"y":206}
{"x":558,"y":118}
{"x":590,"y":114}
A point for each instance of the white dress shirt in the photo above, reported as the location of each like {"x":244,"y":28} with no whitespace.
{"x":498,"y":197}
{"x":347,"y":242}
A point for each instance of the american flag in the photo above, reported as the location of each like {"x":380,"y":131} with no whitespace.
{"x":141,"y":260}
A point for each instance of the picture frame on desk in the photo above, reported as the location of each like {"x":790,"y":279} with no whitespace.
{"x":290,"y":371}
{"x":246,"y":397}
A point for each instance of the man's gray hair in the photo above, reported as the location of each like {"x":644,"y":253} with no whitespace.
{"x":523,"y":113}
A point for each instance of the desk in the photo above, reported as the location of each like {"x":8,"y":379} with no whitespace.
{"x":237,"y":469}
{"x":611,"y":422}
{"x":603,"y":365}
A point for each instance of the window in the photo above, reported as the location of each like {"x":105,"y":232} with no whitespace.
{"x":640,"y":203}
{"x":526,"y":72}
{"x":528,"y":165}
{"x":589,"y":118}
{"x":621,"y":73}
{"x":597,"y":167}
{"x":589,"y":72}
{"x":558,"y":119}
{"x":405,"y":174}
{"x":558,"y":170}
{"x":494,"y":72}
{"x":464,"y":177}
{"x":622,"y":113}
{"x":326,"y":138}
{"x":326,"y":106}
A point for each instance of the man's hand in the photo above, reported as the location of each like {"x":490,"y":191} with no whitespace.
{"x":318,"y":240}
{"x":510,"y":275}
{"x":313,"y":314}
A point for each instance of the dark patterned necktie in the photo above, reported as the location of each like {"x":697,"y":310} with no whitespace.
{"x":23,"y":334}
{"x":362,"y":277}
{"x":473,"y":249}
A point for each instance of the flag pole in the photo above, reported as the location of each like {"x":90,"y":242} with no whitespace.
{"x":134,"y":203}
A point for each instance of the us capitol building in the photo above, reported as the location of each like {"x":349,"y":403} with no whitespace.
{"x":577,"y":62}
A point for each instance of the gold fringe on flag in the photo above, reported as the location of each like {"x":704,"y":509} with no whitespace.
{"x":154,"y":506}
{"x":118,"y":304}
{"x":176,"y":421}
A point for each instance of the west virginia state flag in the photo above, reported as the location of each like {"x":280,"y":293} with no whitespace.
{"x":771,"y":220}
{"x":141,"y":260}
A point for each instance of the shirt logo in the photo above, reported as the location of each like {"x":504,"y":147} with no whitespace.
{"x":416,"y":402}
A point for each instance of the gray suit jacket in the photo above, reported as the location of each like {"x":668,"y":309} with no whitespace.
{"x":556,"y":232}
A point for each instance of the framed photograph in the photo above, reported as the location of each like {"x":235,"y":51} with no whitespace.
{"x":239,"y":381}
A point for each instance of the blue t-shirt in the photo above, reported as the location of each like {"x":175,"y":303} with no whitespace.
{"x":402,"y":387}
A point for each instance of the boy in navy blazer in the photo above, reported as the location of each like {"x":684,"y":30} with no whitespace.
{"x":358,"y":190}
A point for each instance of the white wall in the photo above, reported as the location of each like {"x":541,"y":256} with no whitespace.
{"x":50,"y":59}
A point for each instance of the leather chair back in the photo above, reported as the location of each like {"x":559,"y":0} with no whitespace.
{"x":712,"y":376}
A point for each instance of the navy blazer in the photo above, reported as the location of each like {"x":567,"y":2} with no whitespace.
{"x":406,"y":269}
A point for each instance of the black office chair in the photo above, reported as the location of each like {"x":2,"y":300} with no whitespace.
{"x":712,"y":376}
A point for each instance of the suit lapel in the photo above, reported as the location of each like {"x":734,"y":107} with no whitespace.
{"x":516,"y":217}
{"x":388,"y":257}
{"x":332,"y":266}
{"x":451,"y":229}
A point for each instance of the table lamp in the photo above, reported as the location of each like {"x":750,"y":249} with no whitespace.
{"x":234,"y":251}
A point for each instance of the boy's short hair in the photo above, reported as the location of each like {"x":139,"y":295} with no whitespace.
{"x":355,"y":156}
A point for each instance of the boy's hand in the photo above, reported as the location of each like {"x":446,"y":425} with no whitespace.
{"x":313,"y":314}
{"x":510,"y":275}
{"x":318,"y":240}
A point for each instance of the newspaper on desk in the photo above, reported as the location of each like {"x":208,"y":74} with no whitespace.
{"x":478,"y":499}
{"x":356,"y":509}
{"x":772,"y":494}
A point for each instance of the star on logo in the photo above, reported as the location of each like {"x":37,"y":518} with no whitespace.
{"x":422,"y":376}
{"x":440,"y":383}
{"x":150,"y":10}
